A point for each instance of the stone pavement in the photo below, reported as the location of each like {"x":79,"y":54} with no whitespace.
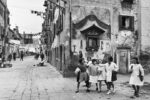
{"x":27,"y":82}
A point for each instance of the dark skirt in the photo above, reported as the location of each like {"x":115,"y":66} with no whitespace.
{"x":114,"y":76}
{"x":82,"y":76}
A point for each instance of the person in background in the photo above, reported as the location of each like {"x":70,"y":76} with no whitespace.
{"x":88,"y":63}
{"x":42,"y":56}
{"x":21,"y":56}
{"x":80,"y":55}
{"x":101,"y":75}
{"x":9,"y":57}
{"x":82,"y":75}
{"x":137,"y":76}
{"x":93,"y":73}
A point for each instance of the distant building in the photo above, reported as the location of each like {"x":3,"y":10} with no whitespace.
{"x":27,"y":38}
{"x":4,"y":25}
{"x":14,"y":38}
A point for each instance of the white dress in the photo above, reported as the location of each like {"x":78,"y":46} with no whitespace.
{"x":93,"y":70}
{"x":102,"y":75}
{"x":134,"y":79}
{"x":109,"y":68}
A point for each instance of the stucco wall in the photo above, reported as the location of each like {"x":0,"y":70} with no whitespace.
{"x":107,"y":11}
{"x":145,"y":23}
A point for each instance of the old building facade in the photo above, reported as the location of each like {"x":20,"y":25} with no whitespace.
{"x":97,"y":28}
{"x":4,"y":25}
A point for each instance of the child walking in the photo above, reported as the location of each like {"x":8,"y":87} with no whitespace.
{"x":93,"y":72}
{"x":82,"y":75}
{"x":101,"y":76}
{"x":137,"y":76}
{"x":111,"y":74}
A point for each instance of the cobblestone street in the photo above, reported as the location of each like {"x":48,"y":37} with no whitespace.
{"x":27,"y":82}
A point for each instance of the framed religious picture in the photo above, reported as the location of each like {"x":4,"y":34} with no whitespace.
{"x":105,"y":45}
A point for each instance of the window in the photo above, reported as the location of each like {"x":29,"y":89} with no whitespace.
{"x":126,"y":22}
{"x":128,"y":1}
{"x":92,"y":44}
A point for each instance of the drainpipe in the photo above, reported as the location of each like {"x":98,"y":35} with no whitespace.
{"x":70,"y":39}
{"x":139,"y":29}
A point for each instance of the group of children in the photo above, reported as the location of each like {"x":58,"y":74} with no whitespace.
{"x":94,"y":72}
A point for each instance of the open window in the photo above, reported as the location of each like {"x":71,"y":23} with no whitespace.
{"x":126,"y":22}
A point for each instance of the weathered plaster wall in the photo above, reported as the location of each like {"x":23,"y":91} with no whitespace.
{"x":145,"y":24}
{"x":107,"y":11}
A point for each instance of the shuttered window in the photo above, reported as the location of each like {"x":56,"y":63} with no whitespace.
{"x":126,"y":22}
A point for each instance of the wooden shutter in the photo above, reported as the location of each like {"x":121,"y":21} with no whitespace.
{"x":120,"y":22}
{"x":132,"y":23}
{"x":81,"y":44}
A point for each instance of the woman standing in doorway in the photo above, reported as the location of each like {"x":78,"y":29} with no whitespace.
{"x":137,"y":76}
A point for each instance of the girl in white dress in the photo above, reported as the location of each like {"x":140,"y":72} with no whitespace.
{"x":101,"y":76}
{"x":137,"y":76}
{"x":110,"y":67}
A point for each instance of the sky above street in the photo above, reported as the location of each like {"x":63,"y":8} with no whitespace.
{"x":21,"y":16}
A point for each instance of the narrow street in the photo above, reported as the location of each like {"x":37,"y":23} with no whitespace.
{"x":24,"y":81}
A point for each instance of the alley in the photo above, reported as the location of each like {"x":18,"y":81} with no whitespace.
{"x":24,"y":81}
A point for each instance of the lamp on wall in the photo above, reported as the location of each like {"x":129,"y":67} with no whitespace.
{"x":116,"y":36}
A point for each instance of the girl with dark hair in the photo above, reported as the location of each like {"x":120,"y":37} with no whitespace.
{"x":111,"y":71}
{"x":137,"y":76}
{"x":82,"y":75}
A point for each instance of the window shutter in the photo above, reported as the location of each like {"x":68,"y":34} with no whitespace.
{"x":120,"y":22}
{"x":81,"y":44}
{"x":132,"y":23}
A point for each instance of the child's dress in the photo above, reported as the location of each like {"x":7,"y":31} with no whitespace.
{"x":101,"y":74}
{"x":134,"y":79}
{"x":93,"y":70}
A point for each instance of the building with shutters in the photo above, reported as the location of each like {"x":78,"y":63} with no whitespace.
{"x":98,"y":28}
{"x":4,"y":25}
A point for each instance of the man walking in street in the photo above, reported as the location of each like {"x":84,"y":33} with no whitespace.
{"x":9,"y":57}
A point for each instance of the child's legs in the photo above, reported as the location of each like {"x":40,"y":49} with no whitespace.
{"x":106,"y":84}
{"x":78,"y":85}
{"x":137,"y":89}
{"x":112,"y":84}
{"x":134,"y":88}
{"x":100,"y":85}
{"x":109,"y":85}
{"x":96,"y":86}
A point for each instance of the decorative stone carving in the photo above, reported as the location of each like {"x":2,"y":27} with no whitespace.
{"x":79,"y":13}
